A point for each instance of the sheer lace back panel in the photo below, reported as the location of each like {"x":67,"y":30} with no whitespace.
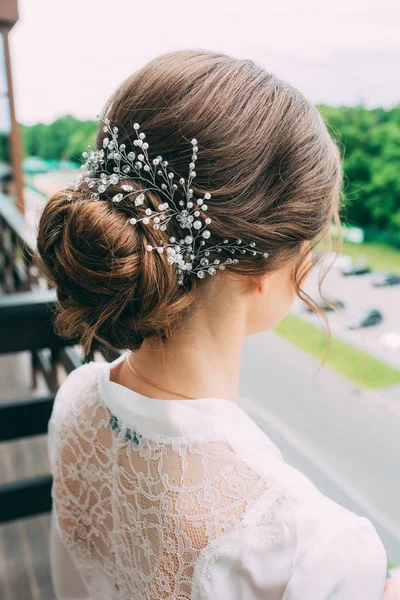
{"x":135,"y":512}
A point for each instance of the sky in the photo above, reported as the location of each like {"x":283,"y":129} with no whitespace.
{"x":68,"y":56}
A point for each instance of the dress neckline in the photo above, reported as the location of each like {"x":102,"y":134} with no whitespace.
{"x":197,"y":419}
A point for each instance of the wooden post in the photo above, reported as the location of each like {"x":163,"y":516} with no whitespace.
{"x":8,"y":17}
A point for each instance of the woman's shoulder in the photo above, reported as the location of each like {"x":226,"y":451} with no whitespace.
{"x":295,"y":541}
{"x":81,"y":383}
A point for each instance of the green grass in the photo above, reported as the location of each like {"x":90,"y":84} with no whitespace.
{"x":365,"y":370}
{"x":379,"y":257}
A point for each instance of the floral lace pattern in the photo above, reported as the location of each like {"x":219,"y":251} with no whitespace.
{"x":143,"y":518}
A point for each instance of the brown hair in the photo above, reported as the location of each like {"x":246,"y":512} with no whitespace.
{"x":266,"y":157}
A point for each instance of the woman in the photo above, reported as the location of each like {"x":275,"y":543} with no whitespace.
{"x":163,"y":486}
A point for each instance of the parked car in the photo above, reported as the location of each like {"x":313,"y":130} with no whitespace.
{"x":369,"y":317}
{"x":384,"y":279}
{"x":328,"y":306}
{"x":355,"y":270}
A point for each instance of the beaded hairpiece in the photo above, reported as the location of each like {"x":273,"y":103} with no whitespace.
{"x":191,"y":252}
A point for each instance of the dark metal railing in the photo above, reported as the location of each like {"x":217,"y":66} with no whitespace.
{"x":17,"y":247}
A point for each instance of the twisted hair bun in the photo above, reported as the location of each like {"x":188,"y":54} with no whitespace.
{"x":109,"y":288}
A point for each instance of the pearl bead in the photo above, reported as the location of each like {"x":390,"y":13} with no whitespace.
{"x":136,"y":126}
{"x":133,"y":221}
{"x":206,"y":234}
{"x":160,"y":249}
{"x":207,"y":196}
{"x":197,"y":224}
{"x":146,"y":221}
{"x":149,"y":248}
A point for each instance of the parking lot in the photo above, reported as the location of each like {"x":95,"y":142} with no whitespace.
{"x":358,"y":294}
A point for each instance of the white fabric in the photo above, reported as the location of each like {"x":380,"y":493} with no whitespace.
{"x":189,"y":499}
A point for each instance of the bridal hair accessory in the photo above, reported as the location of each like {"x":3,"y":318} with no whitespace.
{"x":191,"y":252}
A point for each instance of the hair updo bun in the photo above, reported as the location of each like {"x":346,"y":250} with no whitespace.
{"x":265,"y":156}
{"x":109,"y":288}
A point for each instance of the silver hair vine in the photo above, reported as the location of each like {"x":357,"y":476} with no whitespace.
{"x":190,"y":253}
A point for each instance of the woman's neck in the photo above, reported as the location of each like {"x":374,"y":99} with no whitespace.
{"x":201,"y":360}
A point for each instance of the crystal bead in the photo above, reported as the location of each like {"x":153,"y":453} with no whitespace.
{"x":102,"y":188}
{"x":204,"y":262}
{"x":252,"y":244}
{"x":172,"y":240}
{"x":207,"y":253}
{"x":136,"y":126}
{"x":265,"y":255}
{"x":126,"y":168}
{"x":127,"y":188}
{"x":114,"y":179}
{"x":131,"y":156}
{"x":181,"y":181}
{"x":200,"y":274}
{"x":118,"y":197}
{"x":212,"y":271}
{"x":163,"y":228}
{"x":216,"y":261}
{"x":139,"y":199}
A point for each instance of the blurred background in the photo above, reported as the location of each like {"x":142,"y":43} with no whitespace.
{"x":59,"y":62}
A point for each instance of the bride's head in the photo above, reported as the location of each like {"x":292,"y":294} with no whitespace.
{"x":274,"y":175}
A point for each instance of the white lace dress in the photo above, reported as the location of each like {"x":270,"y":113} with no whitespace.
{"x":188,"y":499}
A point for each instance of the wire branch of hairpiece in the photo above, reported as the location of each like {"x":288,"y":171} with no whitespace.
{"x":112,"y":165}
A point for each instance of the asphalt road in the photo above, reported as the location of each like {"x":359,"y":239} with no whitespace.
{"x":358,"y":294}
{"x":351,"y":438}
